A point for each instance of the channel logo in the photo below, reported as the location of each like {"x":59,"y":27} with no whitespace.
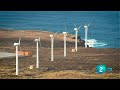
{"x":101,"y":68}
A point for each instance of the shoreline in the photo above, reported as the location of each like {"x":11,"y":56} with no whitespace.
{"x":83,"y":61}
{"x":32,"y":34}
{"x":44,"y":35}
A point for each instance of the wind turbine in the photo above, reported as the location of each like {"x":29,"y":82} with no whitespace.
{"x":37,"y":52}
{"x":65,"y":34}
{"x":52,"y":45}
{"x":52,"y":42}
{"x":86,"y":30}
{"x":17,"y":44}
{"x":76,"y":35}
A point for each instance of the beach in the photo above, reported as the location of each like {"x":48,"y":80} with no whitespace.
{"x":77,"y":65}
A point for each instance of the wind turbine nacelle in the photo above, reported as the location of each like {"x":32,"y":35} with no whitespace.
{"x":85,"y":26}
{"x":65,"y":33}
{"x":16,"y":44}
{"x":36,"y":40}
{"x":75,"y":29}
{"x":51,"y":35}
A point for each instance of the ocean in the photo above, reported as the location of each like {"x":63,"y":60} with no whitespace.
{"x":103,"y":30}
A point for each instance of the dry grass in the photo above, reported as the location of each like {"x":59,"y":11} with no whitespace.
{"x":26,"y":73}
{"x":77,"y":65}
{"x":74,"y":74}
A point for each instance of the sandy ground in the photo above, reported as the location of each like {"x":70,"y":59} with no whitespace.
{"x":77,"y":65}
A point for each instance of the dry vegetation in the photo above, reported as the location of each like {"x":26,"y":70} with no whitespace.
{"x":77,"y":65}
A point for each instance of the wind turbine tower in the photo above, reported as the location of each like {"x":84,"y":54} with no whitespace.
{"x":65,"y":34}
{"x":16,"y":45}
{"x":52,"y":41}
{"x":86,"y":30}
{"x":76,"y":35}
{"x":37,"y":52}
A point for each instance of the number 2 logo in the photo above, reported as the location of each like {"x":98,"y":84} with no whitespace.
{"x":101,"y":69}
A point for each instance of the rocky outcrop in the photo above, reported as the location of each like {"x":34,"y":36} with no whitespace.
{"x":81,"y":43}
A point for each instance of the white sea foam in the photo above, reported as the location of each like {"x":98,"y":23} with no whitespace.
{"x":95,"y":43}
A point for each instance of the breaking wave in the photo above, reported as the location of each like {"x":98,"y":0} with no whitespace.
{"x":95,"y":43}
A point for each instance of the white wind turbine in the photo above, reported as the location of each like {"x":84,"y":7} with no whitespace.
{"x":52,"y":42}
{"x":52,"y":45}
{"x":76,"y":35}
{"x":86,"y":32}
{"x":17,"y":44}
{"x":65,"y":34}
{"x":37,"y":52}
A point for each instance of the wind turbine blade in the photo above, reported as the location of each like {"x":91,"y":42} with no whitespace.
{"x":39,"y":38}
{"x":55,"y":33}
{"x":65,"y":27}
{"x":19,"y":39}
{"x":79,"y":27}
{"x":75,"y":25}
{"x":93,"y":21}
{"x":88,"y":25}
{"x":40,"y":42}
{"x":50,"y":28}
{"x":19,"y":43}
{"x":90,"y":21}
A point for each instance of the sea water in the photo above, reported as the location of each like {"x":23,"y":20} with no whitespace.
{"x":103,"y":30}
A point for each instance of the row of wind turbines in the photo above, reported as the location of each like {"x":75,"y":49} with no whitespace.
{"x":52,"y":45}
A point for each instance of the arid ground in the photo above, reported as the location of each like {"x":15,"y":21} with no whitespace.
{"x":77,"y":65}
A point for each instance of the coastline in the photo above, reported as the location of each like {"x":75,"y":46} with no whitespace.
{"x":84,"y":60}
